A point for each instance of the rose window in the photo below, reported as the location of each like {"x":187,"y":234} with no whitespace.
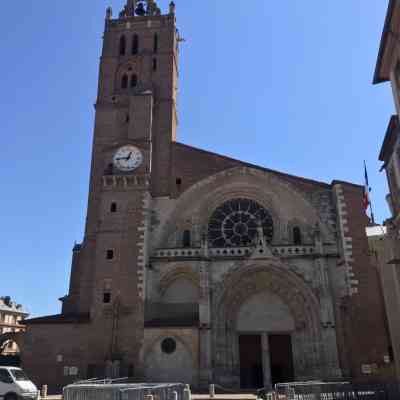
{"x":235,"y":223}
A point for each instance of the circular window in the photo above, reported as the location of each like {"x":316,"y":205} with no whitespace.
{"x":235,"y":223}
{"x":168,"y":346}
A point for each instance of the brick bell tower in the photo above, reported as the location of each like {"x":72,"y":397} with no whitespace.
{"x":135,"y":124}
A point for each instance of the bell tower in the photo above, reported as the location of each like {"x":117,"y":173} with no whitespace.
{"x":140,"y":55}
{"x":135,"y":125}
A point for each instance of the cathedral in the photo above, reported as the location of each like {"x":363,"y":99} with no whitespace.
{"x":196,"y":267}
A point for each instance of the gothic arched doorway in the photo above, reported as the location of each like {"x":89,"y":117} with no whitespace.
{"x":264,"y":327}
{"x":276,"y":308}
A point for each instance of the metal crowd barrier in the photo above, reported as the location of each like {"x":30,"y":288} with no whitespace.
{"x":336,"y":391}
{"x":111,"y":390}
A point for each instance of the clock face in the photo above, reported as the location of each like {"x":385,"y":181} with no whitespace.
{"x":128,"y":158}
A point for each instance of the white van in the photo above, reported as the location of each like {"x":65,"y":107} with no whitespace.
{"x":15,"y":385}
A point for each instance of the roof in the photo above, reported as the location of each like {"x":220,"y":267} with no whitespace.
{"x":378,"y":78}
{"x":392,"y":132}
{"x":283,"y":174}
{"x":9,"y":306}
{"x":272,"y":171}
{"x":76,"y":318}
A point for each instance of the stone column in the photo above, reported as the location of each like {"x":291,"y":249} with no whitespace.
{"x":205,"y":326}
{"x":322,"y":283}
{"x":266,"y":359}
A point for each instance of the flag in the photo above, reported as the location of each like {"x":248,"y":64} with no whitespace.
{"x":367,"y":189}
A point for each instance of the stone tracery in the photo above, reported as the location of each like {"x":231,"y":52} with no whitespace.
{"x":235,"y":223}
{"x":245,"y":280}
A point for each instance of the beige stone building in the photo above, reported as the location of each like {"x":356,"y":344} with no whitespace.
{"x":199,"y":268}
{"x":12,"y":317}
{"x":381,"y":256}
{"x":388,"y":70}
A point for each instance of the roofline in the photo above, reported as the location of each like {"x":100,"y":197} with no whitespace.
{"x":384,"y":38}
{"x":13,"y":311}
{"x":324,"y":184}
{"x":338,"y":182}
{"x":72,"y":318}
{"x":389,"y":131}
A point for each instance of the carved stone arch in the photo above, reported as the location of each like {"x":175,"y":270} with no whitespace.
{"x":305,"y":230}
{"x":271,"y":275}
{"x":239,"y":283}
{"x":262,"y":186}
{"x":179,"y":273}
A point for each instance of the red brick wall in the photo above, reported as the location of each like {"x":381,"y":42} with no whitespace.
{"x":192,"y":165}
{"x":363,"y":314}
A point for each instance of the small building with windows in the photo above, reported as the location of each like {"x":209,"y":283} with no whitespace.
{"x":388,"y":71}
{"x":199,"y":268}
{"x":12,"y":316}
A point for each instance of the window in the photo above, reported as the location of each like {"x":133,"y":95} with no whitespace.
{"x":168,"y":346}
{"x":186,"y":240}
{"x":113,"y":207}
{"x":154,"y":64}
{"x":155,"y":44}
{"x":135,"y":44}
{"x":106,"y":298}
{"x":110,"y":254}
{"x":5,"y":377}
{"x":134,"y":81}
{"x":122,"y":46}
{"x":19,"y":375}
{"x":236,"y":222}
{"x":296,"y":235}
{"x":124,"y":81}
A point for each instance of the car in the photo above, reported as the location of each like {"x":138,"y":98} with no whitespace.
{"x":15,"y":385}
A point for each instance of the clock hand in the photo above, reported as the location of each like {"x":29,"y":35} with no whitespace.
{"x":129,"y":156}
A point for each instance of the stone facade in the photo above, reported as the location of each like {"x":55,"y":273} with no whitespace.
{"x":200,"y":268}
{"x":388,"y":70}
{"x":381,"y":253}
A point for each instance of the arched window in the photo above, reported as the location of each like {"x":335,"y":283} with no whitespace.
{"x":155,"y":44}
{"x":186,"y":239}
{"x":124,"y":81}
{"x":122,"y":46}
{"x":296,"y":235}
{"x":113,"y":207}
{"x":135,"y":44}
{"x":133,"y":81}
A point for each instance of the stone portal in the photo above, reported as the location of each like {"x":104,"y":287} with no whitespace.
{"x":281,"y":358}
{"x":251,"y":365}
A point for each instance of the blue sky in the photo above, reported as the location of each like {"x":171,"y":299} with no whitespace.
{"x":285,"y":84}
